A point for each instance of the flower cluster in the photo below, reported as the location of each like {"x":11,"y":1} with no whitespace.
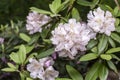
{"x":35,"y":22}
{"x":42,"y":69}
{"x":70,"y":37}
{"x":101,"y":21}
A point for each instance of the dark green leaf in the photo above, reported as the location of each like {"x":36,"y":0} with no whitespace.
{"x":103,"y":72}
{"x":92,"y":74}
{"x":115,"y":57}
{"x":112,"y":66}
{"x":102,"y":44}
{"x":74,"y":74}
{"x":46,"y":53}
{"x":91,"y":44}
{"x":112,"y":43}
{"x":115,"y":37}
{"x":84,"y":3}
{"x":63,"y":79}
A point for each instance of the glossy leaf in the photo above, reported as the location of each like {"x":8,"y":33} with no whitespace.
{"x":103,"y":72}
{"x":46,"y":53}
{"x":112,"y":43}
{"x":102,"y":44}
{"x":89,"y":56}
{"x":106,"y":56}
{"x":74,"y":74}
{"x":25,"y":37}
{"x":113,"y":50}
{"x":91,"y":44}
{"x":115,"y":37}
{"x":92,"y":74}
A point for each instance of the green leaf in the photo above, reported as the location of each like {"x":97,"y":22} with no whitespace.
{"x":94,"y":50}
{"x":112,"y":66}
{"x":102,"y":44}
{"x":22,"y":53}
{"x":40,"y":11}
{"x":117,"y":29}
{"x":113,"y":50}
{"x":112,"y":43}
{"x":46,"y":53}
{"x":29,"y":48}
{"x":74,"y":74}
{"x":22,"y":76}
{"x":8,"y":69}
{"x":103,"y":72}
{"x":115,"y":37}
{"x":75,"y":14}
{"x":106,"y":56}
{"x":25,"y":37}
{"x":84,"y":3}
{"x":89,"y":56}
{"x":116,"y":10}
{"x":115,"y":57}
{"x":55,"y":5}
{"x":95,"y":2}
{"x":34,"y":39}
{"x":11,"y":65}
{"x":91,"y":44}
{"x":15,"y":58}
{"x":63,"y":79}
{"x":92,"y":74}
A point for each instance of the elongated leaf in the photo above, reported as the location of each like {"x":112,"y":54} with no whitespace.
{"x":112,"y":43}
{"x":25,"y":37}
{"x":29,"y":48}
{"x":106,"y":56}
{"x":40,"y":10}
{"x":112,"y":66}
{"x":115,"y":57}
{"x":55,"y":5}
{"x":29,"y":79}
{"x":93,"y":72}
{"x":102,"y":44}
{"x":113,"y":50}
{"x":115,"y":37}
{"x":15,"y":58}
{"x":88,"y":57}
{"x":75,"y":14}
{"x":94,"y":50}
{"x":46,"y":53}
{"x":22,"y":53}
{"x":8,"y":69}
{"x":91,"y":44}
{"x":103,"y":72}
{"x":11,"y":65}
{"x":84,"y":3}
{"x":74,"y":74}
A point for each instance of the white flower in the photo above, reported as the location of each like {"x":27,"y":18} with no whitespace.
{"x":35,"y":68}
{"x":42,"y":69}
{"x":70,"y":37}
{"x":101,"y":21}
{"x":1,"y":40}
{"x":50,"y":73}
{"x":46,"y":62}
{"x":35,"y":22}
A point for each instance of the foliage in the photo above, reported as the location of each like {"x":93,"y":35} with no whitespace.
{"x":101,"y":55}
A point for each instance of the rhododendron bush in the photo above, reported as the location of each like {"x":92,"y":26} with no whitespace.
{"x":71,"y":40}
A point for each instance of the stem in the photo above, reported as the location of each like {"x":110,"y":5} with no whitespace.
{"x":116,"y":2}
